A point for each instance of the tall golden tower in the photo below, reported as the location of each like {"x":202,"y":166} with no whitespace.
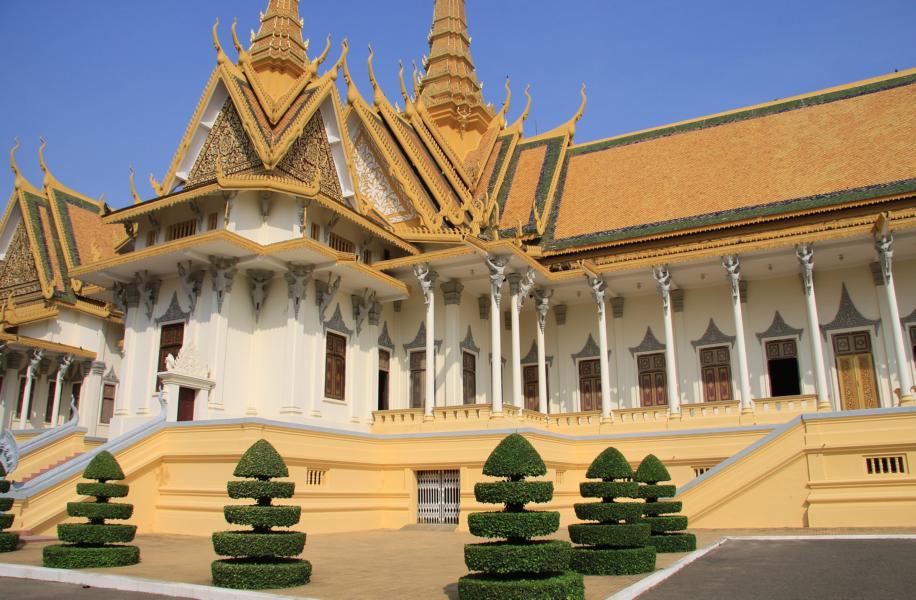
{"x":278,"y":52}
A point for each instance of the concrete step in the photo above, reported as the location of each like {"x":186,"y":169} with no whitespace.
{"x":50,"y":467}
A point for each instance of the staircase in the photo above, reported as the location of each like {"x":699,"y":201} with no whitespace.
{"x":49,"y":467}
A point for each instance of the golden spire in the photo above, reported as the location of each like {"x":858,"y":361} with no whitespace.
{"x":278,"y":43}
{"x":450,"y":89}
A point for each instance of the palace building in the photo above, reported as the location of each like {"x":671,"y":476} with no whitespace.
{"x":409,"y":271}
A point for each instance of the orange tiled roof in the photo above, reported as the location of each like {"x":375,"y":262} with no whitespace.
{"x":815,"y":151}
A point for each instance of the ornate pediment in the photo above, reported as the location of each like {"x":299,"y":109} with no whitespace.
{"x":713,"y":336}
{"x":848,"y":316}
{"x":779,"y":328}
{"x":649,"y":343}
{"x":187,"y":363}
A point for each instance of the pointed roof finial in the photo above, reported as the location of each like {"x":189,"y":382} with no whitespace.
{"x":133,"y":188}
{"x":279,"y":38}
{"x":521,"y":120}
{"x":17,"y":175}
{"x":49,"y":178}
{"x":579,"y":113}
{"x":220,"y":55}
{"x":378,"y":95}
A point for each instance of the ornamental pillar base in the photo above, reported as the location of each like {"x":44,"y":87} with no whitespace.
{"x":606,"y":420}
{"x":908,"y":400}
{"x":428,"y":418}
{"x":823,"y":405}
{"x":747,"y":410}
{"x":496,"y":415}
{"x":674,"y":416}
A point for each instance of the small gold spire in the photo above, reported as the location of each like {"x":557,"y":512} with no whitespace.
{"x":13,"y":165}
{"x":378,"y":96}
{"x":408,"y":104}
{"x":508,"y":101}
{"x":235,"y":39}
{"x":579,"y":113}
{"x":133,"y":188}
{"x":220,"y":55}
{"x":519,"y":123}
{"x":313,"y":66}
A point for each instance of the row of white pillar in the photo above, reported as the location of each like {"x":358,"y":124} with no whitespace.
{"x":521,"y":285}
{"x":11,"y":380}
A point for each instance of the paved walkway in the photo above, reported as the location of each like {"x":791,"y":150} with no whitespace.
{"x":407,"y":564}
{"x":29,"y":589}
{"x":796,"y":569}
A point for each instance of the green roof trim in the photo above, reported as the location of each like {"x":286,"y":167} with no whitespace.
{"x":31,"y":203}
{"x":761,"y":210}
{"x":555,"y":147}
{"x":870,"y":88}
{"x":505,"y":142}
{"x":62,"y":199}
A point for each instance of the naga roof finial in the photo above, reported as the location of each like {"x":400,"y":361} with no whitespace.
{"x":378,"y":96}
{"x":220,"y":55}
{"x":524,"y":117}
{"x":133,"y":188}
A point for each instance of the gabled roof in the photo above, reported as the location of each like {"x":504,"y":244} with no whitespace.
{"x":804,"y":154}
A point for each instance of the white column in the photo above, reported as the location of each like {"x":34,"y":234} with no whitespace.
{"x":427,"y":279}
{"x":542,"y":297}
{"x":805,"y":254}
{"x":497,"y":266}
{"x":663,"y":279}
{"x":222,"y":274}
{"x":297,"y":279}
{"x":733,"y":268}
{"x":519,"y":286}
{"x":599,"y":289}
{"x":451,"y":296}
{"x":884,"y":244}
{"x":61,"y":372}
{"x":30,"y":374}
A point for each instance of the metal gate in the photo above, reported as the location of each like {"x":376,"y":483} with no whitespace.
{"x":437,"y":497}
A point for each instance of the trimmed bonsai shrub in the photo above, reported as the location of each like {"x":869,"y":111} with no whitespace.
{"x":666,"y":527}
{"x":96,"y":543}
{"x":260,"y":558}
{"x":8,"y":541}
{"x":611,"y":547}
{"x":518,"y":567}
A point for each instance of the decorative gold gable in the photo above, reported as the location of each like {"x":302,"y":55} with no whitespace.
{"x":228,"y":143}
{"x":18,"y":274}
{"x":311,"y":152}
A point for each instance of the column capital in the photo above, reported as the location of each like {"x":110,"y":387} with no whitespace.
{"x":297,"y":277}
{"x":497,"y":267}
{"x":805,"y":254}
{"x":98,"y":367}
{"x":663,"y":279}
{"x":13,"y":360}
{"x":599,"y":290}
{"x":35,"y":359}
{"x":451,"y":292}
{"x":733,"y":272}
{"x":426,"y":277}
{"x":222,"y":273}
{"x":884,"y":244}
{"x":520,"y":284}
{"x":542,"y":304}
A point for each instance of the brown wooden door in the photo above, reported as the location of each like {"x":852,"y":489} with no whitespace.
{"x":384,"y":365}
{"x":715,"y":366}
{"x":186,"y":404}
{"x":653,"y":381}
{"x":469,"y":377}
{"x":417,"y":379}
{"x":589,"y":385}
{"x":171,"y":338}
{"x":530,"y":378}
{"x":855,"y":370}
{"x":335,"y":371}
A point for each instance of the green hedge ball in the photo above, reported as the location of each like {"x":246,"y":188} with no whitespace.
{"x":612,"y":561}
{"x":248,"y":543}
{"x":6,"y":521}
{"x":609,"y":489}
{"x":102,"y":490}
{"x":609,"y":511}
{"x":568,"y":586}
{"x":550,"y":556}
{"x":254,"y":574}
{"x":88,"y":533}
{"x":8,"y":541}
{"x":657,"y":491}
{"x":6,"y":504}
{"x":5,"y":486}
{"x":261,"y":489}
{"x":88,"y":557}
{"x":513,"y":492}
{"x":628,"y":535}
{"x":100,"y":510}
{"x":652,"y":509}
{"x":664,"y":524}
{"x":674,"y":542}
{"x":263,"y":516}
{"x":513,"y":524}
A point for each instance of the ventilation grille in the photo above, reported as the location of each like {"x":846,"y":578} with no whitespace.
{"x":885,"y":465}
{"x":315,"y":477}
{"x":697,"y":471}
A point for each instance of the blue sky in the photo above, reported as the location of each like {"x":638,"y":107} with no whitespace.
{"x":113,"y":83}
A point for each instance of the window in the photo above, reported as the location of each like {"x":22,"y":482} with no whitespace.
{"x":469,"y":377}
{"x":151,"y":237}
{"x":341,"y":244}
{"x":589,"y":385}
{"x":335,"y":366}
{"x":386,"y":255}
{"x":367,"y":256}
{"x":108,"y":399}
{"x":384,"y":366}
{"x":171,"y":338}
{"x":716,"y":373}
{"x":417,"y":378}
{"x":913,"y":341}
{"x":315,"y":231}
{"x":75,"y":390}
{"x":212,"y":221}
{"x":49,"y":403}
{"x":181,"y":230}
{"x":782,"y":368}
{"x":21,"y":394}
{"x":653,"y":380}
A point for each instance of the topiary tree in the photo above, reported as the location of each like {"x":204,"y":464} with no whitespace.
{"x":610,"y":547}
{"x":96,"y":543}
{"x":519,"y":567}
{"x":665,"y":526}
{"x":261,"y":557}
{"x":8,"y":541}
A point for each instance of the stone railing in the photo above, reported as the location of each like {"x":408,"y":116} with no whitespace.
{"x":728,"y":408}
{"x":793,"y":404}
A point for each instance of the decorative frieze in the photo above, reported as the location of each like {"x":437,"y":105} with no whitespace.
{"x":713,"y":337}
{"x":779,"y":328}
{"x":173,"y":313}
{"x":649,"y":343}
{"x":848,"y":316}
